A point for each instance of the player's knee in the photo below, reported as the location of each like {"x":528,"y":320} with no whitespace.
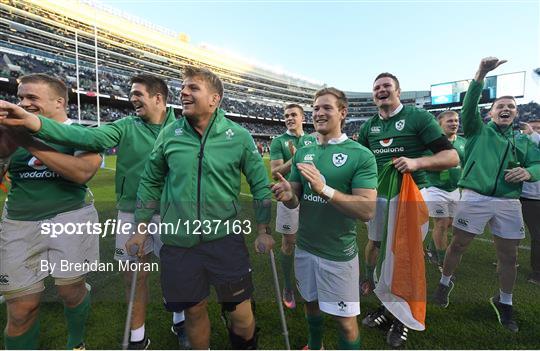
{"x":242,"y":317}
{"x":348,"y":326}
{"x":460,"y":241}
{"x":508,"y":258}
{"x":22,"y":312}
{"x":197,"y":311}
{"x":441,"y":224}
{"x":456,"y":247}
{"x":71,"y":290}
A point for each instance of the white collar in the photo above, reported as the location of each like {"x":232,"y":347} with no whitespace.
{"x":338,"y":140}
{"x":68,"y":122}
{"x":395,"y":112}
{"x":294,"y":135}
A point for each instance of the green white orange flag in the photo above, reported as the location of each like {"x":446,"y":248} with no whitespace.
{"x":400,"y":273}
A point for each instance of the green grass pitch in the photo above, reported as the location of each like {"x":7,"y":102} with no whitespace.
{"x":468,"y":323}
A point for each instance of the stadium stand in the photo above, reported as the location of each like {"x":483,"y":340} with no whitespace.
{"x":37,"y":38}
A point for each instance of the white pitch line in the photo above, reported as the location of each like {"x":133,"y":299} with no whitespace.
{"x":522,"y":247}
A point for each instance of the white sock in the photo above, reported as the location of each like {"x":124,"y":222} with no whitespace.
{"x":137,"y":334}
{"x":445,"y":279}
{"x":505,"y":298}
{"x":178,"y":317}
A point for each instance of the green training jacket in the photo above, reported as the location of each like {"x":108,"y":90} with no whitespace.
{"x":490,"y":150}
{"x":134,"y":137}
{"x":195,"y":180}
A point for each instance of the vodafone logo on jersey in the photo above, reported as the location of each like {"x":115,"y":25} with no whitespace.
{"x":386,"y":142}
{"x":36,"y":164}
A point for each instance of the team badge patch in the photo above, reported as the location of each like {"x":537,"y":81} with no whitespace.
{"x":342,"y":306}
{"x":307,"y":142}
{"x":400,"y":124}
{"x":229,"y":134}
{"x":339,"y":159}
{"x":178,"y":131}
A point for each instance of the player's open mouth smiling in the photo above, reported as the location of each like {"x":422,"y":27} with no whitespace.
{"x":321,"y":120}
{"x":137,"y":107}
{"x":31,"y":109}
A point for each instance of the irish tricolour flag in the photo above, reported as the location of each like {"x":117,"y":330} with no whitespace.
{"x":400,"y":272}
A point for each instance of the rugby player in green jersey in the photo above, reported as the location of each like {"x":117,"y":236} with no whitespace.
{"x":282,"y":150}
{"x":443,"y":194}
{"x":334,"y":181}
{"x":47,"y":188}
{"x":134,"y":136}
{"x":497,"y":162}
{"x":415,"y":142}
{"x":194,"y":176}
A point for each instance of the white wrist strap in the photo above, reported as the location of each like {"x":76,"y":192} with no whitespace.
{"x":328,"y":192}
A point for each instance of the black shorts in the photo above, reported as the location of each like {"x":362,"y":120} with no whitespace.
{"x":187,"y":273}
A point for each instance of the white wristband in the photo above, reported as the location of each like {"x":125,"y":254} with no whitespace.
{"x":328,"y":192}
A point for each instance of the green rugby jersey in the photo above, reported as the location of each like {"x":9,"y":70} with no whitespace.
{"x":134,"y":137}
{"x":279,"y":148}
{"x":448,"y":179}
{"x":405,"y":134}
{"x":345,"y":165}
{"x":37,"y":192}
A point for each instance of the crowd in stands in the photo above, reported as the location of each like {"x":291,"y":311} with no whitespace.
{"x":352,"y":127}
{"x":527,"y":112}
{"x":258,"y":128}
{"x":89,"y":112}
{"x":109,"y":114}
{"x":112,"y":82}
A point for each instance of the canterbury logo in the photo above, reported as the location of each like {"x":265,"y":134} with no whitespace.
{"x":463,"y":222}
{"x":36,"y":164}
{"x":386,"y":142}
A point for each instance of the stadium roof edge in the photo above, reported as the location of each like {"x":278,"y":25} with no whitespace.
{"x":125,"y":25}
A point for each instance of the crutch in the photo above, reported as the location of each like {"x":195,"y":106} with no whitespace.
{"x":278,"y":298}
{"x":127,"y":327}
